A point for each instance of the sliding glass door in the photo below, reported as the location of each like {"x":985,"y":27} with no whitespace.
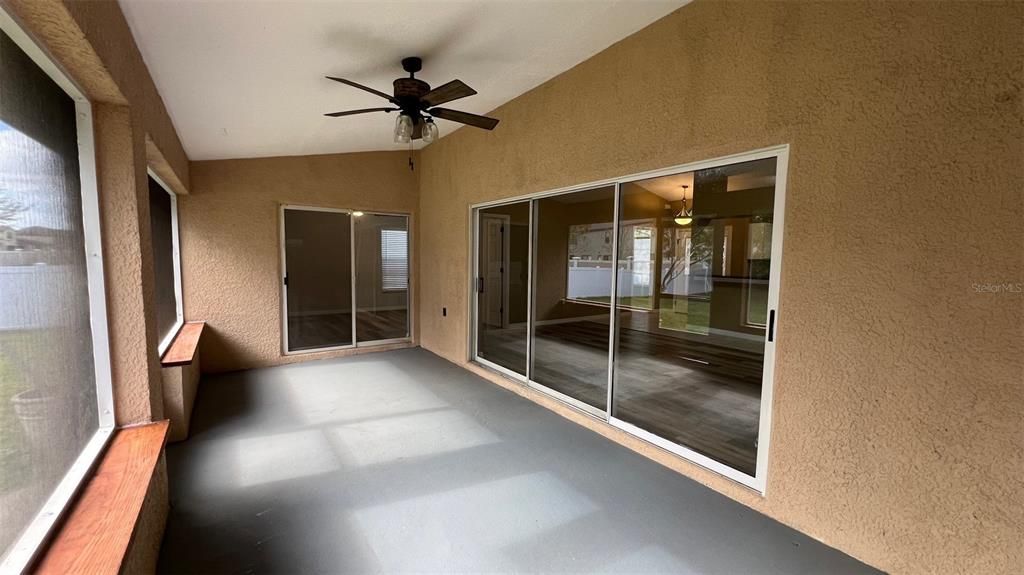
{"x":382,"y":277}
{"x":503,"y":260}
{"x":318,"y":278}
{"x":337,"y":261}
{"x":668,"y":280}
{"x":572,"y":293}
{"x":690,"y":355}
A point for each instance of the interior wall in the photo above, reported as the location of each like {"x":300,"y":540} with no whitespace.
{"x":898,"y":399}
{"x":230,"y":234}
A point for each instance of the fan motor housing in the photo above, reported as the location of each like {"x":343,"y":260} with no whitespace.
{"x":408,"y":92}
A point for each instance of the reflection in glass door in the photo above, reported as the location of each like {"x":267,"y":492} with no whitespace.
{"x":503,"y":255}
{"x":573,"y":269}
{"x":318,"y":278}
{"x":689,"y":366}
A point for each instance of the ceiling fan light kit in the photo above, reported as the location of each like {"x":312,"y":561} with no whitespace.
{"x":403,"y":129}
{"x":417,"y":105}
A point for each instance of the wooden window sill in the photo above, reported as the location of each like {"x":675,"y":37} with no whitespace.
{"x":95,"y":536}
{"x":182,"y":350}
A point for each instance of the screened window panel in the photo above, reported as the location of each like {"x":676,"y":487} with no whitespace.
{"x":161,"y":221}
{"x":48,"y":399}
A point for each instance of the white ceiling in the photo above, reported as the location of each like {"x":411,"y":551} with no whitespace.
{"x":245,"y":78}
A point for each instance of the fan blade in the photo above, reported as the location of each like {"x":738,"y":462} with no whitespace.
{"x":387,"y":97}
{"x":464,"y":118}
{"x":451,"y":91}
{"x":363,"y":111}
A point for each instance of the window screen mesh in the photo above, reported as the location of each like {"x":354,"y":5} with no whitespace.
{"x":48,"y":406}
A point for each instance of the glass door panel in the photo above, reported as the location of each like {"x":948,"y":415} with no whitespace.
{"x":572,"y":293}
{"x":318,"y":268}
{"x":503,"y":251}
{"x":382,"y":276}
{"x":690,"y":344}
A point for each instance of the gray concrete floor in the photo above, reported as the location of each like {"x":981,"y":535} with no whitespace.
{"x":402,"y":462}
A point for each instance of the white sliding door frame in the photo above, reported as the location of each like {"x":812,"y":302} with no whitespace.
{"x":474,"y":300}
{"x":756,"y":482}
{"x":282,"y":254}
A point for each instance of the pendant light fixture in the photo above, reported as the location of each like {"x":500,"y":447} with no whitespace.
{"x":684,"y":217}
{"x":403,"y":129}
{"x":430,"y":132}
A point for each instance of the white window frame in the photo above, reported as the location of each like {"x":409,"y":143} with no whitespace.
{"x":26,"y":548}
{"x":757,"y":482}
{"x":176,"y":258}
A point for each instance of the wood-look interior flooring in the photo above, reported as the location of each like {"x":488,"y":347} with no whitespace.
{"x":701,"y":395}
{"x":335,"y":329}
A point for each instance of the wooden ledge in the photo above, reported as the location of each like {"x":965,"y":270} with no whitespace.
{"x":95,"y":536}
{"x":182,"y":350}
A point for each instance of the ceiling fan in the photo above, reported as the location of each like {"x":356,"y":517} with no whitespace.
{"x":417,"y":105}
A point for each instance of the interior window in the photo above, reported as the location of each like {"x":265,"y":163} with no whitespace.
{"x":394,"y":261}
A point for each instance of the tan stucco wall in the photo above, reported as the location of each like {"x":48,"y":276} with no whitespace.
{"x":180,"y":385}
{"x":230,"y":238}
{"x":899,"y":389}
{"x":144,"y":550}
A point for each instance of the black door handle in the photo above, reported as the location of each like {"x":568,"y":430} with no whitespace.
{"x":771,"y":325}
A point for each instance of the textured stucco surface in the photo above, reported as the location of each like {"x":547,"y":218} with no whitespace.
{"x":144,"y":549}
{"x":180,"y":384}
{"x":899,"y":387}
{"x":230,"y":234}
{"x":128,"y":265}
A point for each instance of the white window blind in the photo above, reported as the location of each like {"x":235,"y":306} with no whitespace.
{"x":394,"y":259}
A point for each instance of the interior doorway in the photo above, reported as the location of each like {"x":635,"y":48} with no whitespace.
{"x":495,"y":230}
